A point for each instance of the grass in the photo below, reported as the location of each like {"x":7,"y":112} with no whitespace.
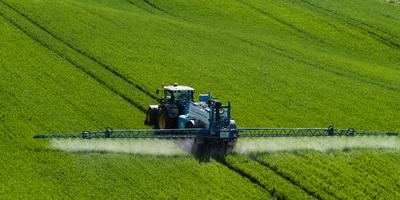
{"x":42,"y":93}
{"x":277,"y":185}
{"x":225,"y":53}
{"x":69,"y":66}
{"x":365,"y":174}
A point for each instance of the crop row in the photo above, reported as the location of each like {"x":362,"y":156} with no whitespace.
{"x":277,"y":185}
{"x":103,"y":74}
{"x":359,"y":173}
{"x":344,"y":175}
{"x":270,"y":82}
{"x":54,"y":174}
{"x":70,"y":66}
{"x":41,"y":93}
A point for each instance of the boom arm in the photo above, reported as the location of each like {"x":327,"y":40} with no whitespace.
{"x":145,"y":133}
{"x":307,"y":132}
{"x":200,"y":132}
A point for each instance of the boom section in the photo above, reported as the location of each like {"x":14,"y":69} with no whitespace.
{"x":145,"y":133}
{"x":307,"y":132}
{"x":210,"y":134}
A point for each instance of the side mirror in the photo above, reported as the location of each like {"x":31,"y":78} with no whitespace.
{"x":157,"y":91}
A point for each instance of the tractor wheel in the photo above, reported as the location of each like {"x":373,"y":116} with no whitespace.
{"x":232,"y":125}
{"x":194,"y":124}
{"x":151,"y":116}
{"x":161,"y":120}
{"x":165,"y":122}
{"x":189,"y":124}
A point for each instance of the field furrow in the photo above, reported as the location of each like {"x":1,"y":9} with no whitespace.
{"x":277,"y":184}
{"x":42,"y":92}
{"x":344,"y":174}
{"x":105,"y":75}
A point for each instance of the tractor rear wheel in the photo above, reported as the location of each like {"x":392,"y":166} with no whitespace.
{"x":161,"y":120}
{"x":189,"y":124}
{"x":165,"y":121}
{"x":151,"y":116}
{"x":232,"y":125}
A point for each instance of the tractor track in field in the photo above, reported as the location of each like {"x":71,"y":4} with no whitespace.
{"x":72,"y":62}
{"x":345,"y":19}
{"x":245,"y":175}
{"x":90,"y":11}
{"x":88,"y":56}
{"x":142,"y":7}
{"x":286,"y":54}
{"x":356,"y":24}
{"x":282,"y":22}
{"x":68,"y":59}
{"x":286,"y":177}
{"x":154,"y":7}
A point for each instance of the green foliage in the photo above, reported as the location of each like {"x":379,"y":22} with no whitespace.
{"x":275,"y":184}
{"x":363,"y":174}
{"x":54,"y":175}
{"x":281,"y":63}
{"x":72,"y":66}
{"x":42,"y":92}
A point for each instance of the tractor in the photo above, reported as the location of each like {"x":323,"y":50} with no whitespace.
{"x":178,"y":110}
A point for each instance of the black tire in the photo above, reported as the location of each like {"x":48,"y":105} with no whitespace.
{"x":151,"y":116}
{"x":232,"y":125}
{"x":194,"y":124}
{"x":165,"y":121}
{"x":189,"y":124}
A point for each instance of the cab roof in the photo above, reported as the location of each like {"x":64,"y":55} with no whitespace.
{"x":178,"y":88}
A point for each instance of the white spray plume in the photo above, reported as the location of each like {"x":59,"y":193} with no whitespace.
{"x":136,"y":146}
{"x":257,"y":145}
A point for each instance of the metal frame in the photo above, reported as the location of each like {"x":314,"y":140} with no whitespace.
{"x":144,"y":133}
{"x":205,"y":133}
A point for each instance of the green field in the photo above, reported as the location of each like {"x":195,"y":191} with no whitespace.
{"x":69,"y":65}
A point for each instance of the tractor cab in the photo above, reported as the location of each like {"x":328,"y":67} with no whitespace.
{"x":177,"y":94}
{"x":173,"y":103}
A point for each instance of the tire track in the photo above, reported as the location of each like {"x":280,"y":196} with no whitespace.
{"x":245,"y":175}
{"x":141,"y":7}
{"x":73,"y":63}
{"x":285,"y":54}
{"x":287,"y":178}
{"x":91,"y":11}
{"x":94,"y":59}
{"x":282,"y":22}
{"x":343,"y":18}
{"x":357,"y":24}
{"x":154,"y":7}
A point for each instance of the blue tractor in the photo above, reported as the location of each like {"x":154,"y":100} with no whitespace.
{"x":178,"y":110}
